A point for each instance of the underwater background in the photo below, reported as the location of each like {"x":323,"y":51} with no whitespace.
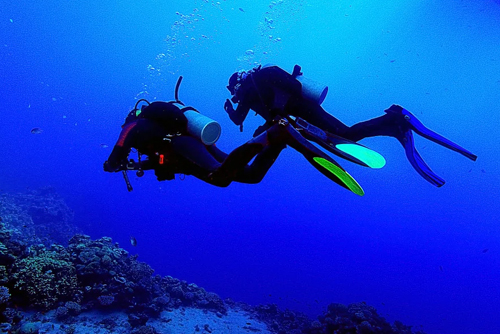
{"x":427,"y":256}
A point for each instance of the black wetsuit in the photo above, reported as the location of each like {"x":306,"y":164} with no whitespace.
{"x":160,"y":132}
{"x":271,"y":91}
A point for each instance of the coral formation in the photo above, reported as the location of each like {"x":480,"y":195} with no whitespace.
{"x":356,"y":318}
{"x":91,"y":275}
{"x":106,"y":300}
{"x":4,"y":295}
{"x":38,"y":217}
{"x":45,"y":277}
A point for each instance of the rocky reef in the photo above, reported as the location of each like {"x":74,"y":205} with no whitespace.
{"x":38,"y":217}
{"x":52,"y":277}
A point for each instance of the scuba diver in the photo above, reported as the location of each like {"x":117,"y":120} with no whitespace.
{"x":272,"y":92}
{"x":159,"y":130}
{"x":179,"y":140}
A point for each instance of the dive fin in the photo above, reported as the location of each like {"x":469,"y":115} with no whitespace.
{"x":322,"y":162}
{"x":348,"y":181}
{"x":417,"y":162}
{"x":427,"y":133}
{"x":355,"y":152}
{"x":342,"y":147}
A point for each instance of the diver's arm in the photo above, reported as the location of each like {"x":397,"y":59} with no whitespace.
{"x":135,"y":134}
{"x":238,"y":115}
{"x":121,"y":150}
{"x":117,"y":158}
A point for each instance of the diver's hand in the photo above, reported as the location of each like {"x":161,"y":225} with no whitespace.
{"x":228,"y":106}
{"x":296,"y":71}
{"x":107,"y":167}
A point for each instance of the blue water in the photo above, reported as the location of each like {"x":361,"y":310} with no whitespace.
{"x":423,"y":255}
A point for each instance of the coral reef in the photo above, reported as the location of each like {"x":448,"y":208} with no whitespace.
{"x":356,"y":318}
{"x":91,"y":274}
{"x":44,"y":277}
{"x":38,"y":217}
{"x":4,"y":295}
{"x":49,"y":288}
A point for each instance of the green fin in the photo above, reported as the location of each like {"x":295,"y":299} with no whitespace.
{"x":371,"y":158}
{"x":341,"y":174}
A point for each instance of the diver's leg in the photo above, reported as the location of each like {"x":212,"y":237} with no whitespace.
{"x":217,"y":153}
{"x":236,"y":162}
{"x":238,"y":159}
{"x":265,"y":148}
{"x":209,"y":168}
{"x":261,"y":165}
{"x":316,"y":115}
{"x":262,"y":128}
{"x":196,"y":152}
{"x":385,"y":125}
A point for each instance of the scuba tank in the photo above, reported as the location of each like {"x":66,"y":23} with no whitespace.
{"x":199,"y":126}
{"x":202,"y":127}
{"x":312,"y":90}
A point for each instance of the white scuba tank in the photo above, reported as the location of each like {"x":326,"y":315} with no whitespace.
{"x":313,"y":90}
{"x":202,"y":127}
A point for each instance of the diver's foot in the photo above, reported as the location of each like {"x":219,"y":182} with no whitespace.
{"x":394,"y":109}
{"x":407,"y":121}
{"x":404,"y":122}
{"x":401,"y":117}
{"x":404,"y":115}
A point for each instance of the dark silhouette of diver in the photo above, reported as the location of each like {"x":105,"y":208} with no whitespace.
{"x":160,"y":132}
{"x":270,"y":92}
{"x":177,"y":142}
